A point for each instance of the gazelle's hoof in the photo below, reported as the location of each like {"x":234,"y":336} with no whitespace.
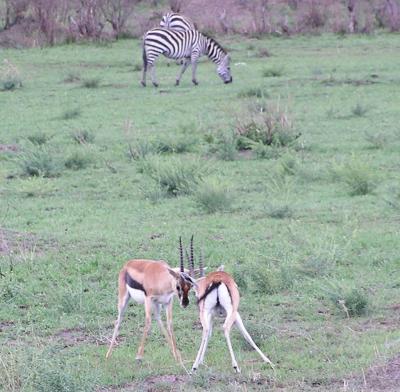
{"x":177,"y":83}
{"x":194,"y":369}
{"x":236,"y":368}
{"x":143,"y":83}
{"x":139,"y":360}
{"x":155,"y":84}
{"x":195,"y":82}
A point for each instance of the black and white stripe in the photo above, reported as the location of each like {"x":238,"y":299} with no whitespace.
{"x":188,"y":45}
{"x":174,"y":21}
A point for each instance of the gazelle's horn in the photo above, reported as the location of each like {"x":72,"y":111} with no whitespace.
{"x":201,"y":264}
{"x":181,"y":254}
{"x":191,"y":261}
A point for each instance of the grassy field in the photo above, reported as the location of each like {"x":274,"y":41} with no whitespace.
{"x":309,"y":226}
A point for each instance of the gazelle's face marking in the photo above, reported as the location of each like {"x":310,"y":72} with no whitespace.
{"x":224,"y":70}
{"x":183,"y":289}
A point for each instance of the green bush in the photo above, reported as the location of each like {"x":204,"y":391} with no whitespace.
{"x":39,"y":162}
{"x":9,"y":76}
{"x":272,"y":72}
{"x":91,"y":83}
{"x":359,"y":110}
{"x":39,"y":138}
{"x":175,"y":176}
{"x":83,"y":136}
{"x":78,"y":160}
{"x":358,"y":177}
{"x":213,"y":197}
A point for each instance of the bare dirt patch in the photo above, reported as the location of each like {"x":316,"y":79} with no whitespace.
{"x":15,"y":242}
{"x":383,"y":378}
{"x":9,"y":148}
{"x":70,"y":337}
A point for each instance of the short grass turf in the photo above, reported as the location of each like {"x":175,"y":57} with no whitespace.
{"x":316,"y":262}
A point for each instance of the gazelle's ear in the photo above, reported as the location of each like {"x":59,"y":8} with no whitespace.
{"x":173,"y":273}
{"x":187,"y":278}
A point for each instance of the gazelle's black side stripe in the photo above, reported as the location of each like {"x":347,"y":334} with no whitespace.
{"x":210,"y":288}
{"x":132,"y":283}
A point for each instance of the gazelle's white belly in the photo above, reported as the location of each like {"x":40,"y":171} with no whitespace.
{"x":136,"y":295}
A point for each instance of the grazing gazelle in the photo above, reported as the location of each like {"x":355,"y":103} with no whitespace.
{"x":218,"y":293}
{"x":154,"y":284}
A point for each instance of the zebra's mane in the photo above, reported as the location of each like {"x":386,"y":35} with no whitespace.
{"x":214,"y":41}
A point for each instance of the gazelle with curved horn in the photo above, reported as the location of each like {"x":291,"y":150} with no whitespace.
{"x":154,"y":284}
{"x":218,"y":293}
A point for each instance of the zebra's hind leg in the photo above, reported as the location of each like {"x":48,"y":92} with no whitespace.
{"x":143,"y":81}
{"x":153,"y":75}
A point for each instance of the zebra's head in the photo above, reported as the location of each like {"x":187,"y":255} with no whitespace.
{"x":224,"y":70}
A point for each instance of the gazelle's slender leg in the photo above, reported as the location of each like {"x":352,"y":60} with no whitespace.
{"x":210,"y":327}
{"x":170,"y":329}
{"x":230,"y":319}
{"x":122,"y":304}
{"x":157,"y":311}
{"x":203,"y":340}
{"x":248,"y":338}
{"x":186,"y":63}
{"x":147,"y":325}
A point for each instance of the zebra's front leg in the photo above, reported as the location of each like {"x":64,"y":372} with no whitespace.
{"x":186,"y":63}
{"x":194,"y":68}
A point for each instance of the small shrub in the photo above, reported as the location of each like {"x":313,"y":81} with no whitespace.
{"x":359,"y":110}
{"x":213,"y":197}
{"x":36,"y":187}
{"x":78,"y":160}
{"x":176,"y":144}
{"x":272,"y":72}
{"x":271,"y":127}
{"x":226,"y":146}
{"x":351,"y":302}
{"x":10,"y":78}
{"x":263,"y":151}
{"x":288,"y":165}
{"x":91,"y":83}
{"x":39,"y":163}
{"x":264,"y":280}
{"x":71,"y":114}
{"x":141,"y":149}
{"x":39,"y":138}
{"x":83,"y":136}
{"x":174,"y":176}
{"x":358,"y":177}
{"x":252,"y":92}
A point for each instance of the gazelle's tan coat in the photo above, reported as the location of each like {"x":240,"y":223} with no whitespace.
{"x":218,"y":292}
{"x":154,"y":284}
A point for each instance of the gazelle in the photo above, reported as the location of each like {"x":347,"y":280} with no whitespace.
{"x":218,"y":293}
{"x":154,"y":284}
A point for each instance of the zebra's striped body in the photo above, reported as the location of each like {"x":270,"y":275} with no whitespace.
{"x":174,"y":21}
{"x":188,"y":45}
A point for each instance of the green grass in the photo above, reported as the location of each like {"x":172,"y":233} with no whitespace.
{"x":297,"y":238}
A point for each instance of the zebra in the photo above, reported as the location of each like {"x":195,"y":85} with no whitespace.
{"x":188,"y":45}
{"x":177,"y":22}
